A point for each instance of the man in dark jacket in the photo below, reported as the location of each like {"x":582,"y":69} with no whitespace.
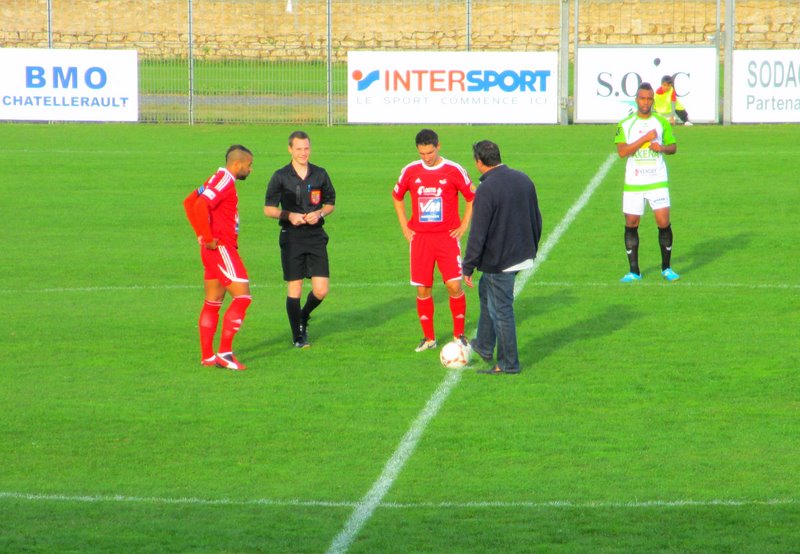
{"x":503,"y":240}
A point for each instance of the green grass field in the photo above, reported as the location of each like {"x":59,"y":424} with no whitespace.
{"x":650,"y":417}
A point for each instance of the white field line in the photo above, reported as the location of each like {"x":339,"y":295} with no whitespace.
{"x":563,"y":225}
{"x":191,"y":501}
{"x":358,"y":285}
{"x":370,"y":502}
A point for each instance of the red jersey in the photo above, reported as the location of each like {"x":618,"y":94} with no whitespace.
{"x":223,"y":204}
{"x":434,"y":194}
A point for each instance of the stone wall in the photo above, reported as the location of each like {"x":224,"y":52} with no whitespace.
{"x":296,"y":29}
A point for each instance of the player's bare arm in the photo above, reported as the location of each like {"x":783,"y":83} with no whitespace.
{"x":666,"y":150}
{"x":625,"y":150}
{"x":400,"y":208}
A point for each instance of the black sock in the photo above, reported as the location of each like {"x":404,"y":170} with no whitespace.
{"x":632,"y":248}
{"x":665,"y":242}
{"x":311,"y":304}
{"x":293,"y":311}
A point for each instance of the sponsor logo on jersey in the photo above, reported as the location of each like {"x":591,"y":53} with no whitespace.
{"x":316,"y":196}
{"x":430,"y":210}
{"x":429,"y":191}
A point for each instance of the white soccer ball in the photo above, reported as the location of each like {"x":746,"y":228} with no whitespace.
{"x":455,"y":355}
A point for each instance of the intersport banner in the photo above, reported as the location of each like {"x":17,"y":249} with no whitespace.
{"x":766,"y":86}
{"x":452,"y":87}
{"x":69,"y":85}
{"x":607,"y":79}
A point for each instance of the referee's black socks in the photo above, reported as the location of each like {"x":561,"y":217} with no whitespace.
{"x":311,"y":304}
{"x":294,"y":313}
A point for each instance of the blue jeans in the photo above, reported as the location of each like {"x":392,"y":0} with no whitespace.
{"x":496,"y":325}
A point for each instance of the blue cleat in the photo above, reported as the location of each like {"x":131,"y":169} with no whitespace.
{"x":630,"y":277}
{"x":670,"y":275}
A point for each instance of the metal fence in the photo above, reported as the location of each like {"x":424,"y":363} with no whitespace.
{"x":284,"y":61}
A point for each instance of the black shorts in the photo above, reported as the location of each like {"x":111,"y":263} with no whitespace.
{"x":304,"y":254}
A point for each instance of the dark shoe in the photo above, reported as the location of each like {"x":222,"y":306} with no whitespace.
{"x":494,"y":371}
{"x":425,"y":344}
{"x":301,"y":343}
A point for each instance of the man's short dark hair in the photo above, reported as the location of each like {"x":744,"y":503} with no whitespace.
{"x":667,"y":79}
{"x":235,"y":151}
{"x":487,"y":152}
{"x":645,"y":86}
{"x":302,"y":135}
{"x":427,"y":137}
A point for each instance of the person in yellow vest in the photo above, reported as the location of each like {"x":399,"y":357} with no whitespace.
{"x":666,"y":103}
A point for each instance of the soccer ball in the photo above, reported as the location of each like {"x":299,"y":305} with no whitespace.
{"x":455,"y":355}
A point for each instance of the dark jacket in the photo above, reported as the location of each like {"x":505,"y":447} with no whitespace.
{"x":506,"y":222}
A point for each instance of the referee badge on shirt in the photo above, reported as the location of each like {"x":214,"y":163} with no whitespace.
{"x":315,"y":196}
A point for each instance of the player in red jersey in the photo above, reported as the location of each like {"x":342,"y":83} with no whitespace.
{"x":434,"y":230}
{"x":214,"y":214}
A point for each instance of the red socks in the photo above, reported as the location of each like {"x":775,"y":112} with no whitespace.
{"x":232,"y":321}
{"x":209,"y":318}
{"x":458,"y":307}
{"x":425,"y":313}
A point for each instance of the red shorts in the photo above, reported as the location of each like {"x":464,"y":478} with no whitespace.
{"x":440,"y":249}
{"x":224,"y":265}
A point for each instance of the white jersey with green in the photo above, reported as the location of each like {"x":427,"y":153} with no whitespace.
{"x":645,"y":169}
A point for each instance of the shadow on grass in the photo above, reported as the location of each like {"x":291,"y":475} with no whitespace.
{"x":705,"y":253}
{"x":603,"y":324}
{"x":536,"y":305}
{"x":329,"y":321}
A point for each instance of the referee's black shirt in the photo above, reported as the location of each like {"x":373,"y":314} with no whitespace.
{"x":293,"y":194}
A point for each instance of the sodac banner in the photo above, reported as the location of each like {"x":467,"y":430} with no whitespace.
{"x":69,"y":85}
{"x":766,"y":86}
{"x":452,"y":87}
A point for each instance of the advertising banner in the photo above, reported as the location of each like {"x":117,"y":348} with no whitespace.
{"x":766,"y":86}
{"x":452,"y":87}
{"x":607,"y":79}
{"x":69,"y":85}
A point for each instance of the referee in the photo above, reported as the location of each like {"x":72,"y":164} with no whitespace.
{"x":300,"y":195}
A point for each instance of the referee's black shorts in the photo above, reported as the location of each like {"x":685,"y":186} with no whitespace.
{"x":304,"y":253}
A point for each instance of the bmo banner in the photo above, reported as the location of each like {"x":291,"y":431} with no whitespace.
{"x":452,"y":87}
{"x":69,"y":85}
{"x":607,"y":79}
{"x":766,"y":86}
